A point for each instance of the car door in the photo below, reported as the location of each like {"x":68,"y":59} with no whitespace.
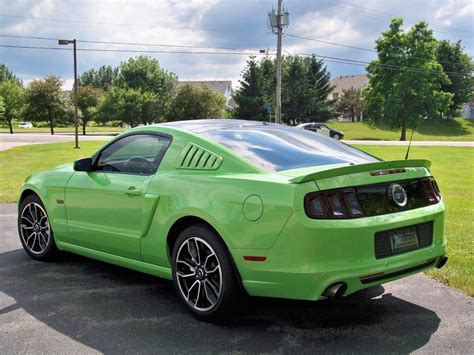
{"x":108,"y":208}
{"x":324,"y":131}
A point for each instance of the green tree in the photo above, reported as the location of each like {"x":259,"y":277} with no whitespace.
{"x":129,"y":106}
{"x":197,"y":103}
{"x":295,"y":94}
{"x":319,"y":107}
{"x":7,"y":75}
{"x":350,"y":104}
{"x":251,"y":96}
{"x":102,"y":79}
{"x":306,"y":87}
{"x":46,"y":102}
{"x":405,"y":81}
{"x":458,"y":66}
{"x":13,"y":101}
{"x":87,"y":100}
{"x":268,"y":69}
{"x":145,"y":73}
{"x":2,"y":108}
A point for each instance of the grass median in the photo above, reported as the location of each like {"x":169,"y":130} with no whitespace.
{"x":453,"y":168}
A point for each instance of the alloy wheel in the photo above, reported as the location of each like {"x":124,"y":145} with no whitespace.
{"x":34,"y":228}
{"x":198,"y":273}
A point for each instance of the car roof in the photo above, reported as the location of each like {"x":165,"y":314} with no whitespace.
{"x":201,"y":126}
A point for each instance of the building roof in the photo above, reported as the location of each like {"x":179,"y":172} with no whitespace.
{"x":349,"y":81}
{"x":219,"y":86}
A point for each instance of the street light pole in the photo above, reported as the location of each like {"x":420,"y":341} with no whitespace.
{"x":76,"y":114}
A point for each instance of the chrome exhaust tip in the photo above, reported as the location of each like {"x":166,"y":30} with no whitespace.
{"x":334,"y":291}
{"x":441,"y":262}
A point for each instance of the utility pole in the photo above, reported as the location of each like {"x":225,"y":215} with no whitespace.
{"x":277,"y":21}
{"x":278,"y":65}
{"x":65,"y":42}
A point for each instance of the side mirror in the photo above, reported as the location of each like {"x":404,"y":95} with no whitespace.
{"x":84,"y":164}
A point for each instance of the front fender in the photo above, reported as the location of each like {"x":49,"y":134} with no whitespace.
{"x":50,"y":188}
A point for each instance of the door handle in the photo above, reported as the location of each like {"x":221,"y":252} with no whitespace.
{"x":132,"y":191}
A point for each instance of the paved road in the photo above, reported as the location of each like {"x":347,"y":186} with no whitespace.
{"x":8,"y":141}
{"x":81,"y":305}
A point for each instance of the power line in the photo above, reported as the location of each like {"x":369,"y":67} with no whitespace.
{"x":328,"y":58}
{"x":111,"y":23}
{"x":389,"y":66}
{"x":354,"y":47}
{"x":125,"y":43}
{"x":391,"y":15}
{"x":331,"y":43}
{"x":388,"y":18}
{"x":135,"y":50}
{"x":203,"y":47}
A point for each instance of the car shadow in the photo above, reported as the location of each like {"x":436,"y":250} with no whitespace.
{"x":112,"y":309}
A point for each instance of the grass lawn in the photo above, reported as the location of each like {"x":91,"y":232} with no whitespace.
{"x":16,"y":164}
{"x":458,"y":129}
{"x":452,"y":166}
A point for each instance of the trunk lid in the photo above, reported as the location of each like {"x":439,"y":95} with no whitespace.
{"x":337,"y":176}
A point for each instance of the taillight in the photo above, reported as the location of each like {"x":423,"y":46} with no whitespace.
{"x":342,"y":203}
{"x":431,"y":190}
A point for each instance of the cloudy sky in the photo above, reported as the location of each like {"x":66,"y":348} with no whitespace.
{"x":215,"y":25}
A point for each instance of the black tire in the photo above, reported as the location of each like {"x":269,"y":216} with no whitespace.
{"x":33,"y":218}
{"x":202,"y":294}
{"x":337,"y":136}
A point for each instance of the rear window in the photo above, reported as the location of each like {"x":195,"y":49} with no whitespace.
{"x":278,"y":148}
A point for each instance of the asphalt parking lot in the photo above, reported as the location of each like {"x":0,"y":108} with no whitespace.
{"x":80,"y":305}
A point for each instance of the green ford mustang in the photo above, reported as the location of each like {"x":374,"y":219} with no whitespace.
{"x":226,"y":208}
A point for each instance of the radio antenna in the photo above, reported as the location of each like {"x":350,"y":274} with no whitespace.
{"x":409,"y":143}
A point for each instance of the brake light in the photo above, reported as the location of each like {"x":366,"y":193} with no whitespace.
{"x":431,"y":190}
{"x":334,"y":204}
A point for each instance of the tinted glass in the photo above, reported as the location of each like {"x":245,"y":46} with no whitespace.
{"x":278,"y":148}
{"x":135,"y":154}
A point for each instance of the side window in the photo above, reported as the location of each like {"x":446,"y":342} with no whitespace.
{"x":135,"y":154}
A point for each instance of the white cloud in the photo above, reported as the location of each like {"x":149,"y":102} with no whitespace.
{"x":240,"y":24}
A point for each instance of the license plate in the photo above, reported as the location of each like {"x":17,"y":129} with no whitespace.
{"x":403,"y":240}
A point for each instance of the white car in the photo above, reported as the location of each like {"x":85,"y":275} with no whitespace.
{"x":25,"y":125}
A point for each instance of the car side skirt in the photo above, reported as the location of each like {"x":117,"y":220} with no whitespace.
{"x":137,"y":265}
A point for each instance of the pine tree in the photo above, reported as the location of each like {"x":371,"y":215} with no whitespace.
{"x":251,"y":96}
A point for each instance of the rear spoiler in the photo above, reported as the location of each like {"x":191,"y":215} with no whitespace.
{"x":360,"y":168}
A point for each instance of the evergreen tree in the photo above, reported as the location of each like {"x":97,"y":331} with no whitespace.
{"x":296,"y":96}
{"x":251,"y":96}
{"x":319,"y":107}
{"x":350,"y":104}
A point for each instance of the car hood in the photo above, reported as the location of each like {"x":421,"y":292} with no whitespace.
{"x":63,"y":167}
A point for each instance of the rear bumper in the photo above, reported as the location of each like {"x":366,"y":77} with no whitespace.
{"x":310,"y":255}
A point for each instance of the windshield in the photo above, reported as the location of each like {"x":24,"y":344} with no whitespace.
{"x":277,"y":148}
